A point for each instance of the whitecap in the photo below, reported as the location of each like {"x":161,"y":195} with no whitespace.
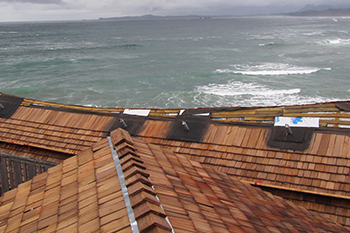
{"x":237,"y":88}
{"x":95,"y":90}
{"x":10,"y":32}
{"x":269,"y":69}
{"x":213,"y":37}
{"x":315,"y":33}
{"x":334,"y":42}
{"x":236,"y":93}
{"x":268,"y":44}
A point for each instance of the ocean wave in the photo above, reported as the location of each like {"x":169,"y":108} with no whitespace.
{"x":128,"y":46}
{"x":236,"y":93}
{"x":237,"y":88}
{"x":191,"y":38}
{"x":315,"y":33}
{"x":269,"y":69}
{"x":204,"y":98}
{"x":68,"y":46}
{"x":195,"y":38}
{"x":336,"y":41}
{"x":8,"y":32}
{"x":268,"y":44}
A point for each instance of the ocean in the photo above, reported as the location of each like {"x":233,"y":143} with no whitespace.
{"x":178,"y":63}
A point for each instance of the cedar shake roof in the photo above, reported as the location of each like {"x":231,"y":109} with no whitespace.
{"x":167,"y":192}
{"x":241,"y":151}
{"x":49,"y":129}
{"x":317,"y":178}
{"x":309,"y":167}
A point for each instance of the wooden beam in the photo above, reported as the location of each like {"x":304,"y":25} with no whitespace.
{"x":262,"y":112}
{"x":17,"y":172}
{"x":316,"y":109}
{"x":4,"y":175}
{"x":325,"y":115}
{"x":319,"y":105}
{"x":296,"y":190}
{"x":259,"y":118}
{"x":335,"y":122}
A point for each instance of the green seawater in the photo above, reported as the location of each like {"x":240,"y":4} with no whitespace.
{"x":240,"y":61}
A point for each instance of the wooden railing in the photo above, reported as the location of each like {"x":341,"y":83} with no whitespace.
{"x":15,"y":170}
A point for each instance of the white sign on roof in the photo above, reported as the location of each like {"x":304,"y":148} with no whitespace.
{"x":137,"y":112}
{"x":298,"y":121}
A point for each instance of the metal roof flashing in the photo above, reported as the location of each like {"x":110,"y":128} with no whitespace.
{"x":9,"y":104}
{"x":288,"y":138}
{"x":293,"y":133}
{"x":189,"y":128}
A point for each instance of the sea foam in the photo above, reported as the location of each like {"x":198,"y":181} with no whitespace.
{"x":334,"y":42}
{"x":237,"y":88}
{"x":269,"y":69}
{"x":236,"y":93}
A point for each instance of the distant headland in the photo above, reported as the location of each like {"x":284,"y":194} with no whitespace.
{"x":307,"y":10}
{"x":322,"y":10}
{"x":331,"y":12}
{"x":154,"y":17}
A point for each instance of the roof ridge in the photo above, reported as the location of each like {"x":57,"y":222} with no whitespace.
{"x":148,"y":211}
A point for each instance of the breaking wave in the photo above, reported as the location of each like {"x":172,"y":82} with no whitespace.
{"x":268,"y":44}
{"x":237,"y":88}
{"x":270,"y":69}
{"x":236,"y":93}
{"x":337,"y":41}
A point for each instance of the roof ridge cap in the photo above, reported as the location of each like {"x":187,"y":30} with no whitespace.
{"x":119,"y":136}
{"x":149,"y":213}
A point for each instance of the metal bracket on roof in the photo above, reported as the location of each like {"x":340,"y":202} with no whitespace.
{"x":124,"y":125}
{"x":288,"y":130}
{"x":185,"y":125}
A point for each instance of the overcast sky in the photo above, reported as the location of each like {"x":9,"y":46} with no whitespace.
{"x":28,"y":10}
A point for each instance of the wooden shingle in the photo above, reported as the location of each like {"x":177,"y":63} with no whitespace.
{"x":197,"y":185}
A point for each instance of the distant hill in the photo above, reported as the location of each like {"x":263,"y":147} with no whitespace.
{"x":328,"y":12}
{"x":322,"y":10}
{"x":154,"y":17}
{"x":312,"y":7}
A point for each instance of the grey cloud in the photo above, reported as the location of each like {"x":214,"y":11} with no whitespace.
{"x":57,"y":2}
